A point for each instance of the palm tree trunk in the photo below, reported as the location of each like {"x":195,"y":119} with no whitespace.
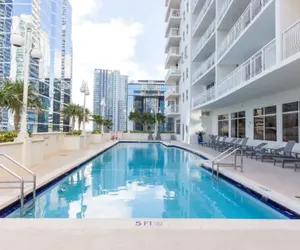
{"x":73,"y":122}
{"x":17,"y":118}
{"x":79,"y":124}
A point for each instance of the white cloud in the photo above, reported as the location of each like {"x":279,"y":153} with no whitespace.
{"x":109,"y":45}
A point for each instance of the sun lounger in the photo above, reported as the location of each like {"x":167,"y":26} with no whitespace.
{"x":251,"y":151}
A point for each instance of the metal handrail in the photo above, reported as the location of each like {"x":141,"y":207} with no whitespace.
{"x":27,"y":170}
{"x":21,"y":185}
{"x":226,"y":154}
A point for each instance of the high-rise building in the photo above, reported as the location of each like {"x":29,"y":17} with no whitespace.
{"x":111,"y":87}
{"x":148,"y":96}
{"x":50,"y":22}
{"x":234,"y":66}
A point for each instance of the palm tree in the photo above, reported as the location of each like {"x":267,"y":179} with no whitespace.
{"x":71,"y":110}
{"x":135,"y":116}
{"x":161,"y":119}
{"x":98,"y":119}
{"x":14,"y":94}
{"x":147,"y":119}
{"x":108,"y":124}
{"x":83,"y":115}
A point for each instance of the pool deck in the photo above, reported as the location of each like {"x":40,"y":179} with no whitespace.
{"x":272,"y":181}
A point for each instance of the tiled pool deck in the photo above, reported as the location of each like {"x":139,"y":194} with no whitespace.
{"x":275,"y":182}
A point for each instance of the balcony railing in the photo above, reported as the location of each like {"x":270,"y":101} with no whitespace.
{"x":174,"y":32}
{"x":172,"y":109}
{"x":205,"y":37}
{"x":194,"y":4}
{"x":174,"y":51}
{"x":223,"y":8}
{"x":256,"y":65}
{"x":172,"y":91}
{"x":201,"y":14}
{"x":254,"y":8}
{"x":291,"y":40}
{"x":173,"y":71}
{"x":205,"y":66}
{"x":204,"y":97}
{"x":173,"y":13}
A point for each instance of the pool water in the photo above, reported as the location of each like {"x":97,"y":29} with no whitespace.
{"x":145,"y":180}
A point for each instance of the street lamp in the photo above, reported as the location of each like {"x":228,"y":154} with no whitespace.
{"x":103,"y":105}
{"x":85,"y":90}
{"x":31,"y":50}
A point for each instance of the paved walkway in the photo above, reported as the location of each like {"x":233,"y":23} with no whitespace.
{"x":264,"y":176}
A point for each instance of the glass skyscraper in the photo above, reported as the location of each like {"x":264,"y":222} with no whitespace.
{"x":51,"y":23}
{"x":111,"y":86}
{"x":147,"y":96}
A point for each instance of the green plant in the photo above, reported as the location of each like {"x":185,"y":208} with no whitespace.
{"x":147,"y":119}
{"x":13,"y":94}
{"x":74,"y":132}
{"x":8,"y":136}
{"x":83,"y":115}
{"x":96,"y":132}
{"x":200,"y":133}
{"x":71,"y":111}
{"x":135,"y":116}
{"x":108,"y":124}
{"x":98,"y":120}
{"x":29,"y":133}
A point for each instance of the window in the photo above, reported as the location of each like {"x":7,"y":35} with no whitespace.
{"x":183,"y":36}
{"x":187,"y":29}
{"x":185,"y":52}
{"x":184,"y":16}
{"x":182,"y":97}
{"x":290,"y":121}
{"x":223,"y":125}
{"x":238,"y":124}
{"x":187,"y":73}
{"x":209,"y":86}
{"x":264,"y":123}
{"x":178,"y":127}
{"x":187,"y":7}
{"x":182,"y":61}
{"x":187,"y":94}
{"x":183,"y":77}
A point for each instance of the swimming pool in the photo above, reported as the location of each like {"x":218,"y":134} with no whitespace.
{"x":145,"y":180}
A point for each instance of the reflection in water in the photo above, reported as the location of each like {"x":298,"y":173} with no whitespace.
{"x":145,"y":181}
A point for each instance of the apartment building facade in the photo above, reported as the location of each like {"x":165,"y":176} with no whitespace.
{"x":244,"y":58}
{"x":110,"y":97}
{"x":50,"y":22}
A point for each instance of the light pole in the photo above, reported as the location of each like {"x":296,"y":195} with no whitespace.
{"x":103,"y":105}
{"x":31,"y":50}
{"x":85,"y":90}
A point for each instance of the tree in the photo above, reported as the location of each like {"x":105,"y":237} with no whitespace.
{"x":83,"y":115}
{"x":13,"y":94}
{"x":98,"y":119}
{"x":161,"y":119}
{"x":71,"y":111}
{"x":135,"y":116}
{"x":108,"y":124}
{"x":147,"y":119}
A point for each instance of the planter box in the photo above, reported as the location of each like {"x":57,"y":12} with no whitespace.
{"x":73,"y":142}
{"x":96,"y":139}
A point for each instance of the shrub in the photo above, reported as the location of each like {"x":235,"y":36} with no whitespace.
{"x":74,"y":132}
{"x":96,"y":132}
{"x":8,"y":136}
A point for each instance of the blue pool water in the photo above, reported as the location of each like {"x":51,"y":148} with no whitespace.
{"x":145,"y":180}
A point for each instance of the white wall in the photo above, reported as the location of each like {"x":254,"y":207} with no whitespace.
{"x":289,"y":13}
{"x":278,"y":100}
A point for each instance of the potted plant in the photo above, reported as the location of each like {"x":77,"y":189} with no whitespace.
{"x":200,"y":136}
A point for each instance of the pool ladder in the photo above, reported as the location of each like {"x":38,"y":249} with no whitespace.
{"x":19,"y":181}
{"x":218,"y":161}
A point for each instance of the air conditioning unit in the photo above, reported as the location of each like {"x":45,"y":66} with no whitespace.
{"x":205,"y":114}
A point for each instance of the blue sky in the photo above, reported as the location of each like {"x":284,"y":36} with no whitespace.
{"x":125,"y":35}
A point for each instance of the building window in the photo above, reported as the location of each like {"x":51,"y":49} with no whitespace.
{"x":290,"y":121}
{"x":182,"y":76}
{"x":178,"y":127}
{"x":183,"y":36}
{"x":187,"y":29}
{"x":264,"y":123}
{"x":187,"y":7}
{"x":182,"y":97}
{"x":185,"y":52}
{"x":184,"y":16}
{"x":187,"y":94}
{"x":223,"y":124}
{"x":238,"y":124}
{"x":182,"y":61}
{"x":187,"y":73}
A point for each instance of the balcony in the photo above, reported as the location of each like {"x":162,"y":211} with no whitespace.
{"x":173,"y":57}
{"x":173,"y":18}
{"x":206,"y":71}
{"x":172,"y":110}
{"x":196,"y":5}
{"x":172,"y":93}
{"x":252,"y":23}
{"x":207,"y":40}
{"x":253,"y":69}
{"x":204,"y":97}
{"x":291,"y":40}
{"x":173,"y":39}
{"x":172,"y":4}
{"x":205,"y":17}
{"x":173,"y":75}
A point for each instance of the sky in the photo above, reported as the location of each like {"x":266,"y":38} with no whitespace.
{"x":125,"y":35}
